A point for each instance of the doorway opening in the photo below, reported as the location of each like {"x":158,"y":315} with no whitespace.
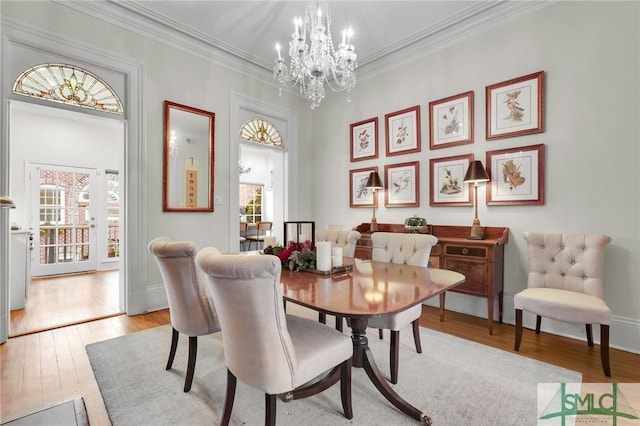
{"x":68,"y":166}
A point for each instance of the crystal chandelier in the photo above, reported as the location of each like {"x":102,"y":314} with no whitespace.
{"x":313,"y":65}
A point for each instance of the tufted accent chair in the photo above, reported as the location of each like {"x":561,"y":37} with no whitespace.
{"x":264,"y":347}
{"x":411,"y":249}
{"x":189,"y":307}
{"x":347,"y":239}
{"x":565,"y":282}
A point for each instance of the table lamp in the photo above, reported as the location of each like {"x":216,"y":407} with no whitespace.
{"x":476,"y":174}
{"x":374,"y":183}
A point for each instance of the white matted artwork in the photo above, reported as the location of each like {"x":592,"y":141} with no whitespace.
{"x":402,"y":131}
{"x":402,"y":184}
{"x":447,"y":181}
{"x":517,"y":175}
{"x":515,"y":107}
{"x":451,"y":121}
{"x":359,"y":194}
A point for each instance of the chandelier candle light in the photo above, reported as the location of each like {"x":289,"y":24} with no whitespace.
{"x":314,"y":64}
{"x":476,"y":174}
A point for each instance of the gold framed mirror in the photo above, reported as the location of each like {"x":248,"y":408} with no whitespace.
{"x":188,"y":159}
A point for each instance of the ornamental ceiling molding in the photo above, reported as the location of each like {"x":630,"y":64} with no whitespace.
{"x":135,"y":17}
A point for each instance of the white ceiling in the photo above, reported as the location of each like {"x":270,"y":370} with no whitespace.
{"x":386,"y":32}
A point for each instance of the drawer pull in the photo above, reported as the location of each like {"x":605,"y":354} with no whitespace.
{"x":465,"y":250}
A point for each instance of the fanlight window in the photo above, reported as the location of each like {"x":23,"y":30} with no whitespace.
{"x":70,"y":85}
{"x":261,"y":131}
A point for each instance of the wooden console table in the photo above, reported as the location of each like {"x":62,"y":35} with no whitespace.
{"x":480,"y":261}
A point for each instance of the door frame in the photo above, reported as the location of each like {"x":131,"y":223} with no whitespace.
{"x":16,"y":37}
{"x":240,"y":103}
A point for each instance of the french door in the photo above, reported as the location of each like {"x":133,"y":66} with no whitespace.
{"x":63,"y":219}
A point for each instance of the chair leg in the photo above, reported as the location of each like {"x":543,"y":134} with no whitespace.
{"x":538,"y":323}
{"x":174,"y":345}
{"x":395,"y":354}
{"x":589,"y":334}
{"x":228,"y":401}
{"x":442,"y":298}
{"x":518,"y":330}
{"x":416,"y":335}
{"x":191,"y":364}
{"x":380,"y":334}
{"x":345,"y":387}
{"x":604,"y":349}
{"x":270,"y":409}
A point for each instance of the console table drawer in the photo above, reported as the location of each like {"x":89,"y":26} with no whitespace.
{"x":454,"y":250}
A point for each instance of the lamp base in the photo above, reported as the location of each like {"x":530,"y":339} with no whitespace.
{"x":476,"y":231}
{"x":373,"y":227}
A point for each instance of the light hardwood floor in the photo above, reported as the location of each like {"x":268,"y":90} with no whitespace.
{"x":46,"y":368}
{"x":65,"y":300}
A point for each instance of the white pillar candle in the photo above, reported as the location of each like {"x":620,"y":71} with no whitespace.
{"x":336,"y":261}
{"x":269,"y":241}
{"x":336,"y":251}
{"x":323,"y":256}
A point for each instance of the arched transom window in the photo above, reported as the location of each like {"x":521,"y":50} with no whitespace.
{"x":70,"y":85}
{"x":261,"y":131}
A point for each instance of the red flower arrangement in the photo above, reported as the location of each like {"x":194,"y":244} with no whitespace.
{"x":295,"y":255}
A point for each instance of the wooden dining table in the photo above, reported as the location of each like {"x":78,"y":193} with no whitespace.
{"x":367,"y":289}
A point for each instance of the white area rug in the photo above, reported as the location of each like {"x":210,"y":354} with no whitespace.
{"x":455,"y":381}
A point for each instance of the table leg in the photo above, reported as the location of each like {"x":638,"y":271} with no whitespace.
{"x":363,"y":358}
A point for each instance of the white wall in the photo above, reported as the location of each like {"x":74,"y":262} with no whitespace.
{"x":590,"y":54}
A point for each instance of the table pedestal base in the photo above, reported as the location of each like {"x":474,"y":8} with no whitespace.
{"x":363,"y":358}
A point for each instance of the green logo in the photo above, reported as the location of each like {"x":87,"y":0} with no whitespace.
{"x":570,"y":405}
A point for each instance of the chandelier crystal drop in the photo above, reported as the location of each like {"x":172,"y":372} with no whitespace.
{"x":315,"y":64}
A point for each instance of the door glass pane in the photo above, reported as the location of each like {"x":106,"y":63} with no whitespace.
{"x":113,"y":214}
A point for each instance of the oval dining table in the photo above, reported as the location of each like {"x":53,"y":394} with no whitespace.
{"x":366,"y":289}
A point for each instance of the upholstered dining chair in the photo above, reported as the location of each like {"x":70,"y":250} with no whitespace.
{"x":264,"y":347}
{"x":261,"y":231}
{"x":346,"y":239}
{"x":411,"y":249}
{"x":189,"y":306}
{"x":243,"y":226}
{"x":565,"y":283}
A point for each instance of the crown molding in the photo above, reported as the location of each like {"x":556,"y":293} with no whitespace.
{"x":135,"y":17}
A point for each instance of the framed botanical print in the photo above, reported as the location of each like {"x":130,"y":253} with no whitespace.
{"x":402,"y":131}
{"x":364,"y":140}
{"x":402,"y":184}
{"x":517,"y":175}
{"x":447,"y":187}
{"x":451,"y":121}
{"x":516,"y":107}
{"x":359,"y":194}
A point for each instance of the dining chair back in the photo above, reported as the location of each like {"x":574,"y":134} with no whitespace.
{"x":260,"y":232}
{"x":410,"y":249}
{"x":243,"y":227}
{"x":264,"y":347}
{"x":190,"y":309}
{"x":565,"y":282}
{"x":344,"y":238}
